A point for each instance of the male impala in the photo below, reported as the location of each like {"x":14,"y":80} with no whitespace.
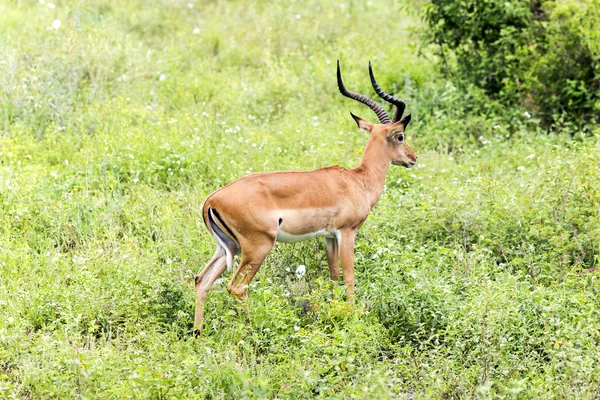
{"x":249,"y":215}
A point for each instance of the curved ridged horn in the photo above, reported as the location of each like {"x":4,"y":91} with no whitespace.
{"x":381,"y":114}
{"x":399,"y":103}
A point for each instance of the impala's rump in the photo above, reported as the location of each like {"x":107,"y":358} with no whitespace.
{"x":228,"y":237}
{"x":223,"y":235}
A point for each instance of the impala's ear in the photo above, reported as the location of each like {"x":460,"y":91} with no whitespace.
{"x":362,"y":123}
{"x":405,"y":121}
{"x":398,"y":127}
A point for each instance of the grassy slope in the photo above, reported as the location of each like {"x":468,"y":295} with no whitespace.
{"x":472,"y":271}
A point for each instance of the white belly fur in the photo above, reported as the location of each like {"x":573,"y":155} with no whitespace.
{"x":285,"y":237}
{"x":295,"y":221}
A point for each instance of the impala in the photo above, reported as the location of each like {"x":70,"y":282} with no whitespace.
{"x":249,"y":215}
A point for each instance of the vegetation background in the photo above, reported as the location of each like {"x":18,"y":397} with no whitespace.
{"x":476,"y":272}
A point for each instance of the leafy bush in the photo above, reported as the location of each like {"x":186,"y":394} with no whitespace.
{"x":563,"y":78}
{"x":540,"y":55}
{"x":483,"y":35}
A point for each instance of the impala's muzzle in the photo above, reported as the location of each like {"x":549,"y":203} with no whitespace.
{"x":409,"y":164}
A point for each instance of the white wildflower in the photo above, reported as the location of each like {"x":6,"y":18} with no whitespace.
{"x":300,"y":271}
{"x":79,"y":260}
{"x":56,"y":24}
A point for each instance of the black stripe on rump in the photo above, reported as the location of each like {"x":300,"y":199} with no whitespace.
{"x":217,"y":216}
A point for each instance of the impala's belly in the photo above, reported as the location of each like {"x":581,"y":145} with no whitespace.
{"x":298,"y":225}
{"x":285,"y":237}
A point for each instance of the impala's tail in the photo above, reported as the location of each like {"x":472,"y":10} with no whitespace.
{"x":222,"y":234}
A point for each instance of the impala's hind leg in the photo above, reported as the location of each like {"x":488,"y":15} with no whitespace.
{"x":253,"y":254}
{"x":204,"y":281}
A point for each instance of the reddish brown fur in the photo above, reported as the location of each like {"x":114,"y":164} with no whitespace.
{"x":332,"y":200}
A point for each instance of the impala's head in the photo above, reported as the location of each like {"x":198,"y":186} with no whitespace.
{"x":391,"y":136}
{"x":389,"y":133}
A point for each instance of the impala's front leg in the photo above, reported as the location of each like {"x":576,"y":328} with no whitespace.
{"x":331,"y":249}
{"x":347,"y":256}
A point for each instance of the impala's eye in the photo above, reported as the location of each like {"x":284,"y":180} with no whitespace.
{"x":400,"y":138}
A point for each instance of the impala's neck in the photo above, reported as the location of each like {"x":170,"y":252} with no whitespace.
{"x":372,"y":170}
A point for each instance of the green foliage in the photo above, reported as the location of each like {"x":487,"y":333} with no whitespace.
{"x":476,"y":272}
{"x":485,"y":36}
{"x":540,"y":55}
{"x":563,"y":77}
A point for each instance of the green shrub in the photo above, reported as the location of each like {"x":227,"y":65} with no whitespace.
{"x":543,"y":56}
{"x":484,"y":37}
{"x":563,"y":78}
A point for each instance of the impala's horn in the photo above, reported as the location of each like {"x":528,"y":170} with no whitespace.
{"x":381,"y":114}
{"x":399,"y":103}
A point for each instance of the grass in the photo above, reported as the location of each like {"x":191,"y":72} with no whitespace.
{"x":476,"y":271}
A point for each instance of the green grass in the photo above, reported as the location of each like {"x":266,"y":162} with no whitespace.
{"x":476,"y":272}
